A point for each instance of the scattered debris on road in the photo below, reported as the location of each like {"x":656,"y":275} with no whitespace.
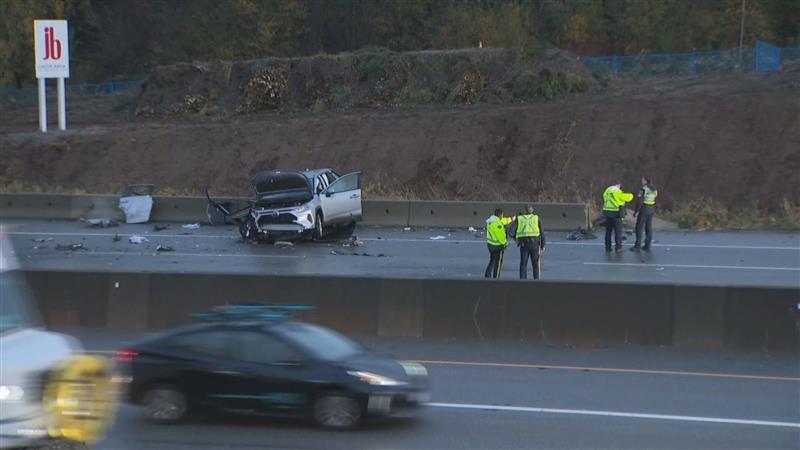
{"x":138,"y":239}
{"x":283,"y":244}
{"x":70,"y":247}
{"x":164,"y":248}
{"x":102,"y":223}
{"x":354,"y":241}
{"x":41,"y":240}
{"x":581,"y":234}
{"x":116,"y":238}
{"x":472,"y":230}
{"x":191,"y":226}
{"x":437,"y":238}
{"x":407,"y":229}
{"x":160,"y":227}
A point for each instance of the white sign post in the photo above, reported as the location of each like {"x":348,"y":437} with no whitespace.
{"x":51,"y":41}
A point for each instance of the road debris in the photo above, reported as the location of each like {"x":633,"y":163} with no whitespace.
{"x":472,"y":230}
{"x":138,"y":239}
{"x":160,"y":227}
{"x":581,"y":234}
{"x":437,"y":238}
{"x":164,"y":248}
{"x":407,"y":229}
{"x":116,"y":238}
{"x":283,"y":244}
{"x":191,"y":226}
{"x":102,"y":223}
{"x":41,"y":240}
{"x":70,"y":247}
{"x":354,"y":241}
{"x":137,"y":202}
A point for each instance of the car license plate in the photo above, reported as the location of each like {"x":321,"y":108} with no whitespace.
{"x":419,"y":397}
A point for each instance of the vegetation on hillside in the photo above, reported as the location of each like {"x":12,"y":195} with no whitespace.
{"x":128,"y":38}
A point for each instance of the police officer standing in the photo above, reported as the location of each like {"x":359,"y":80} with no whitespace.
{"x":497,"y":241}
{"x":530,"y":238}
{"x":645,"y":209}
{"x":614,"y":199}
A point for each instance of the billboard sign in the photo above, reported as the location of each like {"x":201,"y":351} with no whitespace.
{"x":51,"y":41}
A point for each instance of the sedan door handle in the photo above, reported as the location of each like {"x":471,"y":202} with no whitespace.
{"x":226,"y":372}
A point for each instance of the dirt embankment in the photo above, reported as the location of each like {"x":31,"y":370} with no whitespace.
{"x":734,"y":139}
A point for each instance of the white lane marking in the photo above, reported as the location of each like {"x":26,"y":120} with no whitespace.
{"x":690,"y":266}
{"x":168,"y":254}
{"x":588,"y":412}
{"x":596,"y":244}
{"x":441,"y":241}
{"x":155,"y":234}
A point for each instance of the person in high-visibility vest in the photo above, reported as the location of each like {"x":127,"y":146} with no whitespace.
{"x":497,"y":241}
{"x":614,"y":199}
{"x":644,"y":212}
{"x":530,"y":238}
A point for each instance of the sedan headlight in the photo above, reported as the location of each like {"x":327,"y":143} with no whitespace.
{"x":374,"y":379}
{"x":11,"y":392}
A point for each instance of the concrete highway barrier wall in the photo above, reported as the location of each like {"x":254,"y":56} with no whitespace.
{"x":555,"y":216}
{"x":559,"y":312}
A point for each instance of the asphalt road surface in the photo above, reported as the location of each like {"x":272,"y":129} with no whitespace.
{"x":700,"y":258}
{"x":508,"y":394}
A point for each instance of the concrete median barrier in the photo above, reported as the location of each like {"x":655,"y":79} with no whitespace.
{"x":386,"y":212}
{"x":557,"y":312}
{"x":555,"y":216}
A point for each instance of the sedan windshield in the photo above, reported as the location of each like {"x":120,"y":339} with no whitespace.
{"x":322,"y":343}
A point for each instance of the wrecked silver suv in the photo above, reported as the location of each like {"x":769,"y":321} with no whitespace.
{"x":291,"y":205}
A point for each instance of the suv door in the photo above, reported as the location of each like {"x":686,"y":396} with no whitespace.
{"x":273,"y":372}
{"x":341,"y":201}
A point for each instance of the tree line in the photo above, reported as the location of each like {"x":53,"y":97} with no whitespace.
{"x":127,"y":38}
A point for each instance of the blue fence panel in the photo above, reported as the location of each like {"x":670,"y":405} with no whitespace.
{"x":106,"y":87}
{"x":768,"y":57}
{"x":762,"y":58}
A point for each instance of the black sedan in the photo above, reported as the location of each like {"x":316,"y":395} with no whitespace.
{"x":274,"y":366}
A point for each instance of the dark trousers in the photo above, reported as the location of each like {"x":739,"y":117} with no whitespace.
{"x":495,"y":261}
{"x":644,"y":220}
{"x":613,"y":224}
{"x":528,"y":250}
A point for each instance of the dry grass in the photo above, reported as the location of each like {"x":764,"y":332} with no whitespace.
{"x":707,"y":214}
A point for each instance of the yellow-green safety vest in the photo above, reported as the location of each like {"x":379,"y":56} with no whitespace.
{"x":528,"y":226}
{"x":649,"y":197}
{"x":496,"y":230}
{"x":614,"y":198}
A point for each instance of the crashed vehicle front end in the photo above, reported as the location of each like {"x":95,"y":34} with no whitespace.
{"x":284,"y":207}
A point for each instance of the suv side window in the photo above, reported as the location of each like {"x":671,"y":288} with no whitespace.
{"x":261,"y":348}
{"x":207,"y":343}
{"x":349,"y":182}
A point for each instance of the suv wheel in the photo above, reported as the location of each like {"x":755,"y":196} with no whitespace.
{"x":319,"y":226}
{"x":337,"y":411}
{"x":164,"y":404}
